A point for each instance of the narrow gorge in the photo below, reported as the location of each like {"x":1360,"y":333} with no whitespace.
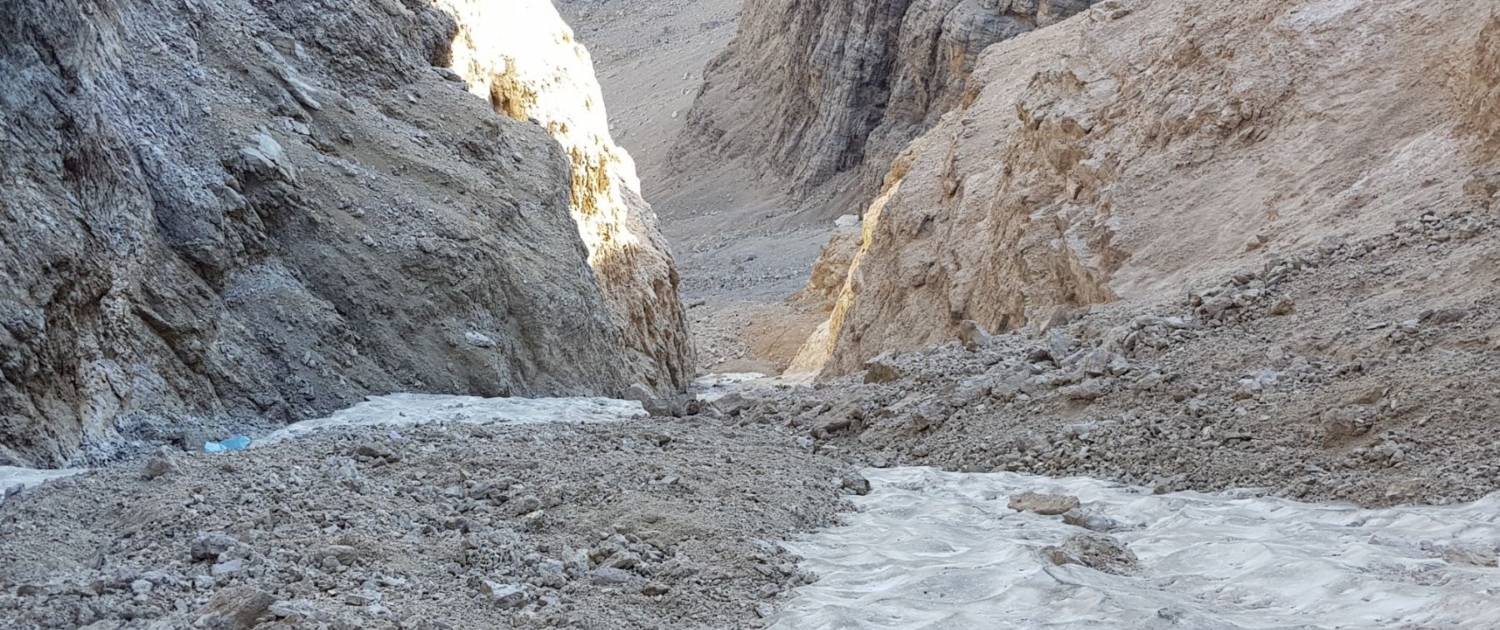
{"x":723,"y":314}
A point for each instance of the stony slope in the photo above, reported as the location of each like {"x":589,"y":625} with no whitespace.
{"x":608,"y":526}
{"x":822,"y":95}
{"x":230,"y":210}
{"x":1329,"y":373}
{"x":1149,"y":146}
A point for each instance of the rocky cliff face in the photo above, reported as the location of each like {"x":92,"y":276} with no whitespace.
{"x":1136,"y":150}
{"x":824,"y":94}
{"x":533,"y":69}
{"x":238,"y":209}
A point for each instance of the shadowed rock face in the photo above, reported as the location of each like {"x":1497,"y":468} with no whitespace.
{"x":825,"y":94}
{"x":234,"y":209}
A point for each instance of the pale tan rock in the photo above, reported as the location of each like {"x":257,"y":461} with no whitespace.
{"x":1044,"y":504}
{"x":1108,"y":157}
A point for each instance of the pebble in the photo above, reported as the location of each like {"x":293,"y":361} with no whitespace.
{"x":854,"y":482}
{"x":1044,"y":504}
{"x":208,"y":546}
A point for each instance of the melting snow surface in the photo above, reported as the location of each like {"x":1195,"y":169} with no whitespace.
{"x":398,"y":410}
{"x":10,"y":477}
{"x":943,"y":551}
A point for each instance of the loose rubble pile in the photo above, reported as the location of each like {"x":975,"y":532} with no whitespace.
{"x":638,"y":525}
{"x":1312,"y":376}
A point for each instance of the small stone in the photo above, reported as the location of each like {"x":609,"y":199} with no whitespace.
{"x":140,"y":587}
{"x":235,"y":608}
{"x":656,"y":588}
{"x":506,"y":595}
{"x":854,"y":482}
{"x":208,"y":546}
{"x":609,"y":575}
{"x":881,"y":370}
{"x":1044,"y":504}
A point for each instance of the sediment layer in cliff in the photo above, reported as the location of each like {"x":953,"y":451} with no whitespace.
{"x":1137,"y":149}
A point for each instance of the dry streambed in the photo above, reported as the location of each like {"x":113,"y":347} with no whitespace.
{"x":453,"y":512}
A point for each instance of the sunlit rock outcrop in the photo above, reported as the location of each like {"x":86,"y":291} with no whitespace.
{"x":522,"y":57}
{"x":1142,"y":147}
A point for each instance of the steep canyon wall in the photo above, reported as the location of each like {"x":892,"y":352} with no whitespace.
{"x":1143,"y":147}
{"x":268,"y":210}
{"x":823,"y":95}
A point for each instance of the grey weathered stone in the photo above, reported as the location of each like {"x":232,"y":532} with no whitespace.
{"x":234,"y":609}
{"x":1044,"y":504}
{"x":881,"y":369}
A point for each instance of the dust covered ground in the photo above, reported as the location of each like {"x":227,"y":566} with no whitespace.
{"x":640,"y":524}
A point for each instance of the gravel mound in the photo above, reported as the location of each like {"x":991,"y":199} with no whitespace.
{"x":639,"y":524}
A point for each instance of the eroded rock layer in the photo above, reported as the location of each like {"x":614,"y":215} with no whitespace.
{"x":1135,"y":150}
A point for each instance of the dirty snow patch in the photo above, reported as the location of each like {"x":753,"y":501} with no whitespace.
{"x":398,"y":410}
{"x":11,"y":476}
{"x":942,"y":550}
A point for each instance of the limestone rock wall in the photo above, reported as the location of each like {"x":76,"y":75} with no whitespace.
{"x":823,"y":95}
{"x":1133,"y":151}
{"x":522,"y":57}
{"x":242,"y":211}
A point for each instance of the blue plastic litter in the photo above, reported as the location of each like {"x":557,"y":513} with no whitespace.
{"x":236,"y":443}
